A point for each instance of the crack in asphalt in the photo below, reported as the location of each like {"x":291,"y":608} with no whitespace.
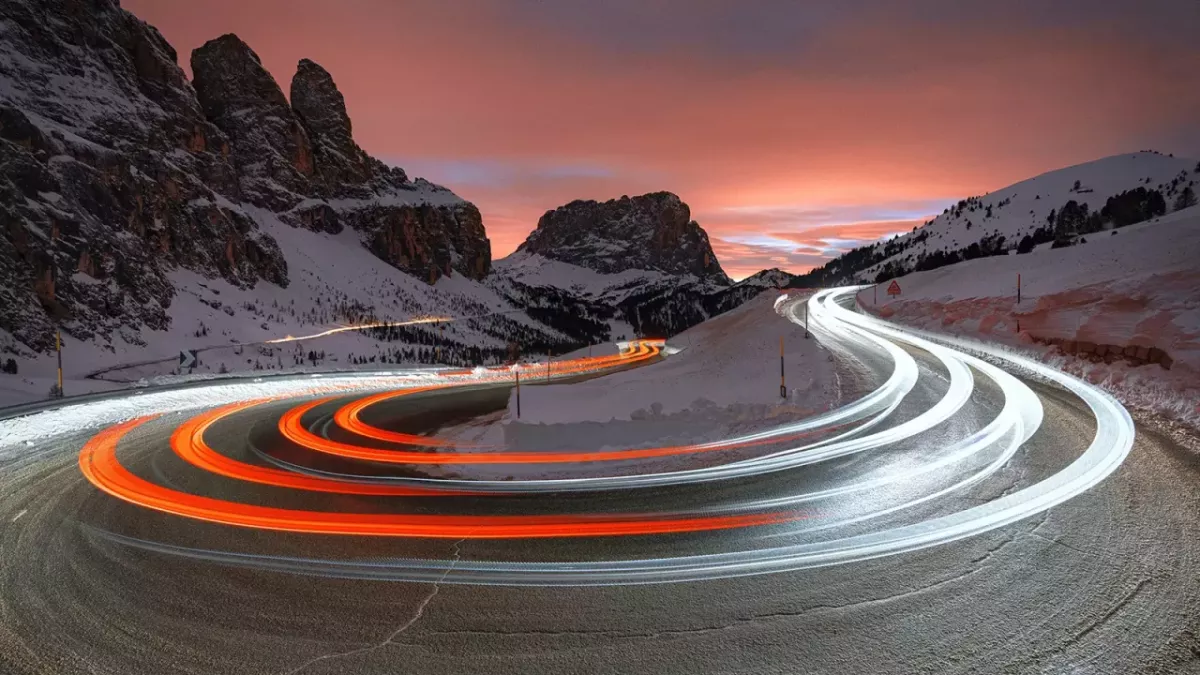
{"x":390,"y":639}
{"x":1121,"y":604}
{"x":1069,"y":546}
{"x":1012,"y":539}
{"x":994,"y":550}
{"x":741,"y":621}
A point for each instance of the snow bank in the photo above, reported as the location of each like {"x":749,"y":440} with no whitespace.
{"x":728,"y":365}
{"x":1122,"y":310}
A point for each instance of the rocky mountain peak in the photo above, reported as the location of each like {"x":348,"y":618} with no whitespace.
{"x":649,"y":232}
{"x":115,"y":171}
{"x":769,"y":278}
{"x":322,"y":109}
{"x":108,"y":168}
{"x":271,"y":148}
{"x":316,"y":98}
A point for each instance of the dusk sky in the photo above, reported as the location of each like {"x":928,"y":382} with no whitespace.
{"x":794,"y":130}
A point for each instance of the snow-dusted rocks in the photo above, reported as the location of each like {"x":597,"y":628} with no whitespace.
{"x":116,"y":171}
{"x":271,"y":147}
{"x":322,"y":108}
{"x":652,"y":232}
{"x":300,"y":159}
{"x":626,"y":267}
{"x":108,"y":169}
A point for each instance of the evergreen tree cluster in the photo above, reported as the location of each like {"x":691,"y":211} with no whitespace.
{"x":1133,"y":206}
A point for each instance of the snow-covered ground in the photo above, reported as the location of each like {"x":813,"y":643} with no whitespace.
{"x":1122,"y":309}
{"x":723,"y":380}
{"x":532,"y":269}
{"x":334,"y":281}
{"x":730,"y":362}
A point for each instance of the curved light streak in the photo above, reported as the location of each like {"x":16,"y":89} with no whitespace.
{"x":99,"y":464}
{"x":838,"y":328}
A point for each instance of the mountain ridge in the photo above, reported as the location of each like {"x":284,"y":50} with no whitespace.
{"x":1102,"y":195}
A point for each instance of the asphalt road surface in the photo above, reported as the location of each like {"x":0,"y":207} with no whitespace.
{"x":1107,"y":581}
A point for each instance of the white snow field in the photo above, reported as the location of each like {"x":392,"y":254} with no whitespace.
{"x":727,"y":365}
{"x":1022,"y":208}
{"x":1121,"y":310}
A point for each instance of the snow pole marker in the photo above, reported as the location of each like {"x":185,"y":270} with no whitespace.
{"x":782,"y":382}
{"x":58,"y":348}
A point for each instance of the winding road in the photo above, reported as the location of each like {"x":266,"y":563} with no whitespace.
{"x":968,"y":511}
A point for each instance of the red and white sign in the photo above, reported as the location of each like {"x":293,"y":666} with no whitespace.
{"x":894,"y":288}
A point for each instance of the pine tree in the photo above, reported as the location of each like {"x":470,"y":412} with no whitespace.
{"x":1185,"y":199}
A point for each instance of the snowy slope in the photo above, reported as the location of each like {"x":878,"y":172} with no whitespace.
{"x":335,"y":281}
{"x":1121,"y":309}
{"x":531,"y":269}
{"x":1016,"y":211}
{"x":727,"y":362}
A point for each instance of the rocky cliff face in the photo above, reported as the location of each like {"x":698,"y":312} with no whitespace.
{"x":634,"y":266}
{"x":321,"y":107}
{"x":271,"y":148}
{"x":108,"y":169}
{"x":115,"y":170}
{"x":651,"y":232}
{"x":300,"y":159}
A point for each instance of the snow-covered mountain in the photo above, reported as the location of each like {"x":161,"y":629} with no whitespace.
{"x":1061,"y":205}
{"x":653,"y":232}
{"x":144,"y":213}
{"x":625,"y":267}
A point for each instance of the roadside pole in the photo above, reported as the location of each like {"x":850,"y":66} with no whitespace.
{"x":806,"y":320}
{"x":518,"y":375}
{"x":549,"y":358}
{"x":58,"y":348}
{"x":875,"y":290}
{"x":783,"y":384}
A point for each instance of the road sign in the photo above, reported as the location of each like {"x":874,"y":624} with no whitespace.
{"x":187,"y":359}
{"x":894,"y":288}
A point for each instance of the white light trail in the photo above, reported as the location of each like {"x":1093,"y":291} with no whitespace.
{"x":947,"y":445}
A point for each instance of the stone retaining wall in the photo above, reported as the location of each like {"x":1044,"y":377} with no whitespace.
{"x":1133,"y":354}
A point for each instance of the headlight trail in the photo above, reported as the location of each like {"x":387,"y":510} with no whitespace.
{"x":892,"y":469}
{"x":360,"y":326}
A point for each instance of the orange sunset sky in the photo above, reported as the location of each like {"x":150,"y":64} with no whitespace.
{"x":793,"y":129}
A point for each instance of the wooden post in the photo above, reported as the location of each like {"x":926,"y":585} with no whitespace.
{"x":1018,"y":288}
{"x":782,"y":382}
{"x":518,"y":375}
{"x":875,"y":289}
{"x":805,"y":319}
{"x":58,"y":348}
